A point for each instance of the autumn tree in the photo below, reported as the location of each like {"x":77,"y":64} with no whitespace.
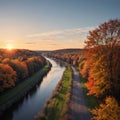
{"x":110,"y":110}
{"x":84,"y":68}
{"x":18,"y":64}
{"x":34,"y":64}
{"x":7,"y":77}
{"x":20,"y":68}
{"x":99,"y":77}
{"x":102,"y":45}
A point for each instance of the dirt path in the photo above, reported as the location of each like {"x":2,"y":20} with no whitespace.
{"x":78,"y":109}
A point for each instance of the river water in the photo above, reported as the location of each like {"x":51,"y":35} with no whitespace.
{"x":33,"y":102}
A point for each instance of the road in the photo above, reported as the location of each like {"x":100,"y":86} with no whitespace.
{"x":78,"y":109}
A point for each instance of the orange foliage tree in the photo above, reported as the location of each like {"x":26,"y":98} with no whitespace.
{"x":103,"y":51}
{"x":18,"y":64}
{"x":7,"y":77}
{"x":103,"y":45}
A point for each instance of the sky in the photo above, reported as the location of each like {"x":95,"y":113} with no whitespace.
{"x":52,"y":24}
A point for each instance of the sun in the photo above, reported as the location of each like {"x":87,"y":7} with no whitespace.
{"x":9,"y":47}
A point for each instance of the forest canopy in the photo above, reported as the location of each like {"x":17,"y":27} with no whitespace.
{"x":18,"y":64}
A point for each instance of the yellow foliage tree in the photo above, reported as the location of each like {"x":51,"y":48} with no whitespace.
{"x":108,"y":111}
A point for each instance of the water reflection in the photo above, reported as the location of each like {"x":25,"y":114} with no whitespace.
{"x":33,"y":102}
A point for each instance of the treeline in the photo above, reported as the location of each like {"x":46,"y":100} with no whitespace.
{"x":72,"y":56}
{"x":101,"y":68}
{"x":16,"y":65}
{"x":99,"y":63}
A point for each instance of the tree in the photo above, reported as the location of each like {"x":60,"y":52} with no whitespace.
{"x":84,"y":69}
{"x":110,"y":110}
{"x":7,"y":77}
{"x":99,"y":82}
{"x":103,"y":46}
{"x":107,"y":34}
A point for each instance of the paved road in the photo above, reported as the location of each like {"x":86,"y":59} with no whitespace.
{"x":78,"y":109}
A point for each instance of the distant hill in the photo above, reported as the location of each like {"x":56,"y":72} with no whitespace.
{"x":60,"y":51}
{"x":67,"y":50}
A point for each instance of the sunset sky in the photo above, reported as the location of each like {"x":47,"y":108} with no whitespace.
{"x":52,"y":24}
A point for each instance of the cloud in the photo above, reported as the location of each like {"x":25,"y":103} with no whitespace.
{"x":66,"y":38}
{"x":52,"y":33}
{"x":64,"y":32}
{"x":30,"y":43}
{"x":53,"y":44}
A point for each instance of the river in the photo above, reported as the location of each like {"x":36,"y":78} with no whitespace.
{"x":33,"y":102}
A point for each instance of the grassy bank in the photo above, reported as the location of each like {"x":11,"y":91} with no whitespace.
{"x":57,"y":106}
{"x":14,"y":94}
{"x":91,"y":101}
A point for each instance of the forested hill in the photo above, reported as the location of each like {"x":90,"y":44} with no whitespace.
{"x":72,"y":56}
{"x":16,"y":53}
{"x":60,"y":51}
{"x":67,"y":50}
{"x":16,"y":65}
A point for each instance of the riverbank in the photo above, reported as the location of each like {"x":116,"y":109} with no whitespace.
{"x":57,"y":106}
{"x":16,"y":93}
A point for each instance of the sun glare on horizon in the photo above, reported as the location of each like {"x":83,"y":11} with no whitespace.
{"x":9,"y":47}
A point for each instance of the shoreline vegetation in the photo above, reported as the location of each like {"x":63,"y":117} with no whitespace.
{"x":56,"y":107}
{"x":15,"y":94}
